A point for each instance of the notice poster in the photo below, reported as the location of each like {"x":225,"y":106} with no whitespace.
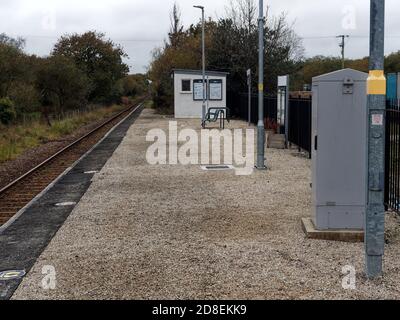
{"x":216,"y":90}
{"x":198,"y":90}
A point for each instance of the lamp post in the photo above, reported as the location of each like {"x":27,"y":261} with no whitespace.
{"x":260,"y":125}
{"x":376,"y":90}
{"x":249,"y":98}
{"x":203,"y":41}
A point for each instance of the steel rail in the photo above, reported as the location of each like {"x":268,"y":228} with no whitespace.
{"x":70,"y":146}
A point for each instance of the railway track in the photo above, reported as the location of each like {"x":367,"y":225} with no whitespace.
{"x":23,"y":190}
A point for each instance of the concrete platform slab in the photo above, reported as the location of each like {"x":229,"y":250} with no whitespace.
{"x":333,"y":235}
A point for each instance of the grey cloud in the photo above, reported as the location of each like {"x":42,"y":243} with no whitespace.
{"x":147,"y":22}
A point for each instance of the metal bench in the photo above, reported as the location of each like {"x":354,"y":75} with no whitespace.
{"x":214,"y":114}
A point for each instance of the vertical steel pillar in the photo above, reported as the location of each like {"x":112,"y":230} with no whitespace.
{"x":203,"y":49}
{"x":203,"y":41}
{"x":287,"y":111}
{"x":376,"y":89}
{"x":260,"y":125}
{"x":249,"y":88}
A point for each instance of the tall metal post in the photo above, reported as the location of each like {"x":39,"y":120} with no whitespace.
{"x":203,"y":41}
{"x":260,"y":125}
{"x":287,"y":111}
{"x":376,"y":88}
{"x":203,"y":45}
{"x":249,"y":98}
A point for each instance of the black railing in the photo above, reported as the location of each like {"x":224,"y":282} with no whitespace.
{"x":392,"y":181}
{"x":300,"y":117}
{"x":238,"y":105}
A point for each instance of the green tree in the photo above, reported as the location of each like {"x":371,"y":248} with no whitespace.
{"x":18,"y":43}
{"x":134,"y":84}
{"x":99,"y":58}
{"x":11,"y":67}
{"x":392,"y":63}
{"x":18,"y":75}
{"x":314,"y":67}
{"x":231,"y":45}
{"x":318,"y":65}
{"x":61,"y":84}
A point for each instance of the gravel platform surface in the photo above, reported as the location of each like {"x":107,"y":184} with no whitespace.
{"x":177,"y":232}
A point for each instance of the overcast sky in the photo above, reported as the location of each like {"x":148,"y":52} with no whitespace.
{"x":141,"y":25}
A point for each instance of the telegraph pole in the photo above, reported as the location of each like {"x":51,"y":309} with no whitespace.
{"x":260,"y":126}
{"x":203,"y":48}
{"x":376,"y":89}
{"x":342,"y":46}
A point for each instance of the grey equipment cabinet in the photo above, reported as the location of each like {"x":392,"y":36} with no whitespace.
{"x":339,"y":165}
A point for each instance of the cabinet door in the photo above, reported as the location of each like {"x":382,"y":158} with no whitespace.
{"x":314,"y":142}
{"x":341,"y":145}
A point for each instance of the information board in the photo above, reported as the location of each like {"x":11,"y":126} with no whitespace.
{"x":215,"y":90}
{"x":198,"y":90}
{"x":282,"y":81}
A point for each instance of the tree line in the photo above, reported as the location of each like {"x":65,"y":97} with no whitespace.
{"x":232,"y":46}
{"x":81,"y":69}
{"x":318,"y":65}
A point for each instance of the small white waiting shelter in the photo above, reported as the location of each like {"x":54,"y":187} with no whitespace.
{"x":188,"y":92}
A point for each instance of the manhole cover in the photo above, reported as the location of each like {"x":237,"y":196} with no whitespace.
{"x":217,"y":167}
{"x":66,"y":204}
{"x":11,"y":275}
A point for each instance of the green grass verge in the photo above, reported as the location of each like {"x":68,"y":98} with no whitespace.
{"x":149,"y":104}
{"x":14,"y":140}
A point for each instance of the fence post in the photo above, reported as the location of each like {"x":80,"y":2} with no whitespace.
{"x":287,"y":111}
{"x":387,"y":158}
{"x":298,"y":127}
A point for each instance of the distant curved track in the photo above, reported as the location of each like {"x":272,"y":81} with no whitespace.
{"x":23,"y":190}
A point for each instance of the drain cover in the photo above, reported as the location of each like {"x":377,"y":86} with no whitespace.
{"x":66,"y":204}
{"x":11,"y":275}
{"x":217,"y":167}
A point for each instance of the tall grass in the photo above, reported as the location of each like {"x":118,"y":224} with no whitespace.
{"x":16,"y":139}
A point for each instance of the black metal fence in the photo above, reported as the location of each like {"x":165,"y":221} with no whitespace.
{"x":238,"y":104}
{"x":300,"y":117}
{"x":392,"y":188}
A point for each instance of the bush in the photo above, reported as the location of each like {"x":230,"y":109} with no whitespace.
{"x":115,"y":94}
{"x":7,"y":111}
{"x":134,"y":84}
{"x":26,"y":98}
